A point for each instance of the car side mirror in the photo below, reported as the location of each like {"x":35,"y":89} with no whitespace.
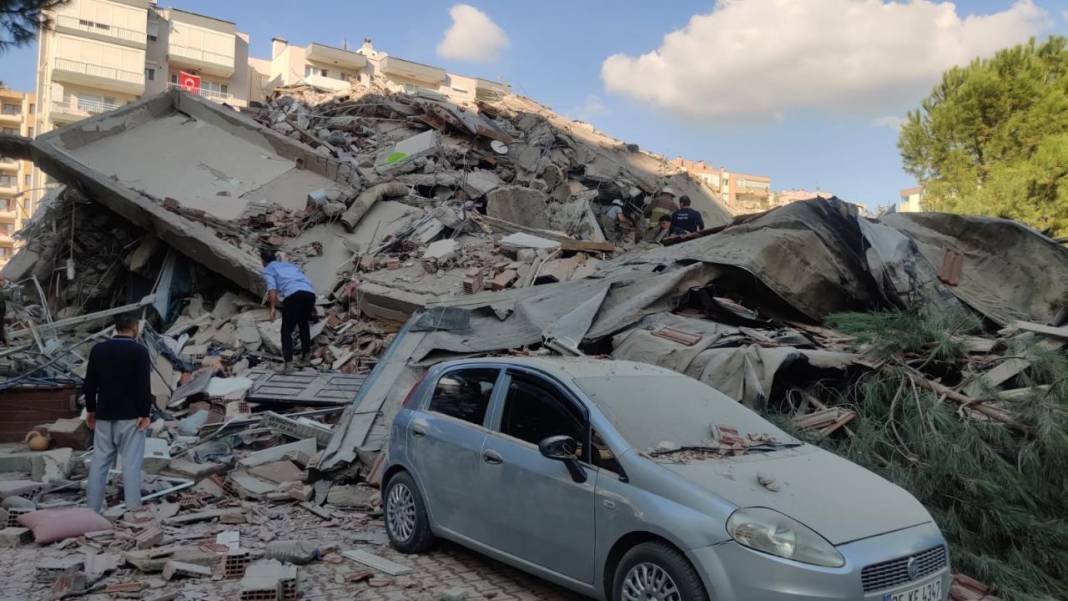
{"x":564,"y":448}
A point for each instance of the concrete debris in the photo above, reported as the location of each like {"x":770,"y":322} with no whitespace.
{"x":431,"y":231}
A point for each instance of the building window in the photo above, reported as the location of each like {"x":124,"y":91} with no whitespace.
{"x":9,"y":131}
{"x":7,"y":181}
{"x":150,"y":74}
{"x":12,"y":109}
{"x":153,"y":30}
{"x":33,"y":107}
{"x":29,"y":132}
{"x":26,"y":181}
{"x":310,"y":70}
{"x":174,"y":78}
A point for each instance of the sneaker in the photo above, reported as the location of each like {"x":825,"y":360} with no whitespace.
{"x":287,"y":367}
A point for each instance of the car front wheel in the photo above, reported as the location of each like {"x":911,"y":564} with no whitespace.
{"x":656,"y":572}
{"x":406,"y":520}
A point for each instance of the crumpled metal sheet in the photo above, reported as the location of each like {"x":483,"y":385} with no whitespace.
{"x":1009,"y":272}
{"x":726,"y":357}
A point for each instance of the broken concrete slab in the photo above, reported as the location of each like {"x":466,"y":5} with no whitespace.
{"x":70,"y":432}
{"x":302,"y":448}
{"x":112,"y":158}
{"x":519,"y":204}
{"x":278,"y":471}
{"x":481,"y":181}
{"x":269,"y":579}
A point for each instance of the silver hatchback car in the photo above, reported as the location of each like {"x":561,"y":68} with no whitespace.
{"x":628,"y":482}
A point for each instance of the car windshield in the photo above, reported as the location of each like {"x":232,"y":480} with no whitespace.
{"x":658,"y":414}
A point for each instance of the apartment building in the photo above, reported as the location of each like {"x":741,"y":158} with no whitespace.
{"x":741,"y":192}
{"x":101,"y":54}
{"x":334,"y":68}
{"x":16,"y":118}
{"x":911,"y":200}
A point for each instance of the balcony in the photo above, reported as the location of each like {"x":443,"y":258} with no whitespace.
{"x":216,"y":96}
{"x":8,"y":189}
{"x":7,"y":216}
{"x":211,"y":63}
{"x":424,"y":74}
{"x":74,"y":108}
{"x":327,"y":55}
{"x":11,"y":118}
{"x":8,"y":164}
{"x":101,"y":31}
{"x":97,"y":76}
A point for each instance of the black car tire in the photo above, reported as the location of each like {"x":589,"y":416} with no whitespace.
{"x":419,"y":538}
{"x":668,"y":559}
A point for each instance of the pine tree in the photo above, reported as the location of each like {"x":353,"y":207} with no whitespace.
{"x":20,"y":19}
{"x":992,"y":137}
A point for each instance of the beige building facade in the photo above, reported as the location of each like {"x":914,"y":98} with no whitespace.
{"x":336,"y":69}
{"x":911,"y":200}
{"x":101,"y":54}
{"x":16,"y":177}
{"x":741,"y":192}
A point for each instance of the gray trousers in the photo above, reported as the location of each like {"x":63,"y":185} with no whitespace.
{"x":116,"y":438}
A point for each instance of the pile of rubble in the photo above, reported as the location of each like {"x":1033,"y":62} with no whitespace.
{"x":432,"y":231}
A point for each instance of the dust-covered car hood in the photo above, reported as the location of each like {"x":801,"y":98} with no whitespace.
{"x":840,"y":500}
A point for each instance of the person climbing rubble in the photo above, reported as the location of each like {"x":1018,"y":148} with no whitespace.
{"x":662,"y":204}
{"x":285,"y":282}
{"x":118,"y":399}
{"x":618,"y":223}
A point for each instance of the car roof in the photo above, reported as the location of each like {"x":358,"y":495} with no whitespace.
{"x":575,"y":367}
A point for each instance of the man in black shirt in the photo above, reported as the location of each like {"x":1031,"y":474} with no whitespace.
{"x":686,"y":220}
{"x":118,"y":398}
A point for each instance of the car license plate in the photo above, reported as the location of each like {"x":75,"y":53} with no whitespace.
{"x":929,"y":591}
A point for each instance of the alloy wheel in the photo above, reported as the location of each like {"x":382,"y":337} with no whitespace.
{"x":400,"y":512}
{"x":649,"y":582}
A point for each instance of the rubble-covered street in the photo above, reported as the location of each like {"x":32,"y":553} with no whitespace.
{"x":926,"y":347}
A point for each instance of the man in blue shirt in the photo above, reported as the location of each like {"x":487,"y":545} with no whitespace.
{"x":285,"y":282}
{"x":686,"y":220}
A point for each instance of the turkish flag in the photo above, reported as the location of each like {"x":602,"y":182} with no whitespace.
{"x":189,"y":82}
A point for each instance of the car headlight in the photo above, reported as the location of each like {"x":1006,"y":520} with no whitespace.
{"x":771,"y":532}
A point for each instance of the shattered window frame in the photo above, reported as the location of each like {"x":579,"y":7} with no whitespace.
{"x":455,"y":411}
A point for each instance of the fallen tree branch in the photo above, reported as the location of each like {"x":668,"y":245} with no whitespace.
{"x":967,"y":402}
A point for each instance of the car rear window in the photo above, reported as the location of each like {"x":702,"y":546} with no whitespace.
{"x":648,"y":410}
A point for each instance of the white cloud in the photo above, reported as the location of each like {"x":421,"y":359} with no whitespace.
{"x":760,"y":58}
{"x":473,"y":36}
{"x":890,"y":121}
{"x":591,"y":106}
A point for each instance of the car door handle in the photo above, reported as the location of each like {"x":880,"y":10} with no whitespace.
{"x":493,"y":457}
{"x":418,"y":430}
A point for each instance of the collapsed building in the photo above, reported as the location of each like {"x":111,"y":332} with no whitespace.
{"x":433,"y":231}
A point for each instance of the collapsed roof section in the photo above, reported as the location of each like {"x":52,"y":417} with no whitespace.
{"x":174,"y":164}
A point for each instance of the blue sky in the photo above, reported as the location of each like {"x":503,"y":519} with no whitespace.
{"x":808,"y":98}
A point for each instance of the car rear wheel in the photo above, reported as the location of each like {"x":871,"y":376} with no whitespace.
{"x":656,"y":572}
{"x":406,"y":520}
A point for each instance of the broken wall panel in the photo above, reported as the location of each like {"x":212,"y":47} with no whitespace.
{"x":130,"y":159}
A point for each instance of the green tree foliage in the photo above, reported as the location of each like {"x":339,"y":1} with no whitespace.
{"x":992,"y":138}
{"x":20,"y":19}
{"x":997,"y":494}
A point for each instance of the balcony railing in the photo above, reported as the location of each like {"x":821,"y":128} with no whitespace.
{"x":135,"y":77}
{"x":119,"y":33}
{"x":76,"y":105}
{"x":201,"y":55}
{"x":210,"y":94}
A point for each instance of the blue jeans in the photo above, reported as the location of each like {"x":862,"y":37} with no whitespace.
{"x":116,"y":438}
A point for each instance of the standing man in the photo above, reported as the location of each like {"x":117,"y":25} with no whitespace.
{"x":286,"y":282}
{"x":118,"y":398}
{"x":686,"y":220}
